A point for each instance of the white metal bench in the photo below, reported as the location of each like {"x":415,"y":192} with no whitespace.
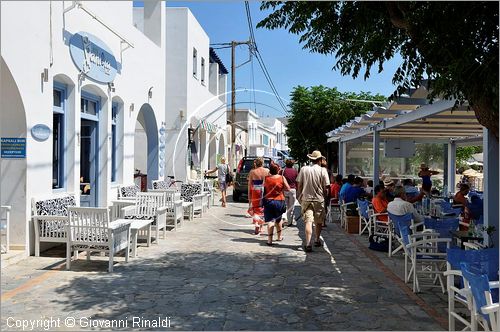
{"x":149,"y":206}
{"x":90,"y":230}
{"x":191,"y":192}
{"x":49,"y":217}
{"x":128,"y":192}
{"x":4,"y":228}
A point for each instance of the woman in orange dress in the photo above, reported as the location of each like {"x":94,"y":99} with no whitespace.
{"x":256,"y":192}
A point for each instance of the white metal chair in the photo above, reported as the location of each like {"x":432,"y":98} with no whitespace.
{"x":484,"y":310}
{"x":343,"y":213}
{"x":4,"y":228}
{"x":458,"y":289}
{"x":90,"y":230}
{"x":421,"y":250}
{"x":150,"y":206}
{"x":175,"y":211}
{"x":364,"y":217}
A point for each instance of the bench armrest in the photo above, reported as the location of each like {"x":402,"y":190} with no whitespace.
{"x":491,"y":308}
{"x":119,"y":226}
{"x":128,"y":210}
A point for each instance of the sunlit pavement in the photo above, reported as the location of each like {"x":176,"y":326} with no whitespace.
{"x":215,"y":274}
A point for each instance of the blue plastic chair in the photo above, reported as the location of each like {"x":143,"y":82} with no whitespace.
{"x":485,"y":261}
{"x":482,"y":297}
{"x":442,"y":227}
{"x":394,"y":221}
{"x":420,"y":248}
{"x":364,"y":218}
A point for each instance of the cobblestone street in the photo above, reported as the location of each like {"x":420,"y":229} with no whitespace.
{"x":214,"y":274}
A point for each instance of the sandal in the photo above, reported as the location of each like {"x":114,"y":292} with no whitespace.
{"x":280,"y":238}
{"x":308,"y":249}
{"x":318,"y":244}
{"x":270,"y":244}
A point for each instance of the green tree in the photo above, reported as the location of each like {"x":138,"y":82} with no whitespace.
{"x":317,"y":110}
{"x":454,"y":44}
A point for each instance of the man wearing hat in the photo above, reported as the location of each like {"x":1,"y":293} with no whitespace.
{"x":312,"y":186}
{"x":389,"y":189}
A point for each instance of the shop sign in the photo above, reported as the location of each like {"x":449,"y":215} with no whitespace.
{"x":12,"y":147}
{"x":40,"y":132}
{"x":92,"y":57}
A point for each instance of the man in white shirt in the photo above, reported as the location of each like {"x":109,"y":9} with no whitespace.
{"x":399,"y":206}
{"x":312,"y":185}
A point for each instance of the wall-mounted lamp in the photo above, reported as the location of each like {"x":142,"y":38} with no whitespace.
{"x":132,"y":107}
{"x":111,"y":86}
{"x":45,"y":75}
{"x":150,"y":92}
{"x":181,"y":114}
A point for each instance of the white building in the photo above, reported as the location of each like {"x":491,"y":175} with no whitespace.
{"x":76,"y":78}
{"x":195,"y":96}
{"x":265,"y":137}
{"x":277,"y":142}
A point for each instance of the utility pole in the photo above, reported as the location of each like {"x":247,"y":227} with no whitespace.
{"x":232,"y":157}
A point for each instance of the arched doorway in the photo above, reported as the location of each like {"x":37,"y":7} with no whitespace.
{"x":13,"y":170}
{"x":146,"y":146}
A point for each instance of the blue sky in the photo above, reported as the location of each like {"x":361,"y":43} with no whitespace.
{"x":288,"y":64}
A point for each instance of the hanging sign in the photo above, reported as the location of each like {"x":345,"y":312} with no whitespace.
{"x":40,"y":132}
{"x":93,"y":57}
{"x":12,"y":147}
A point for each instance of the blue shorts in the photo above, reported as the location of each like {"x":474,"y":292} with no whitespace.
{"x":272,"y":210}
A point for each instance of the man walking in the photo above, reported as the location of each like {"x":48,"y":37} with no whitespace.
{"x":312,"y":185}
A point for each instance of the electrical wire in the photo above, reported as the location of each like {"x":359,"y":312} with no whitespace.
{"x":255,"y":51}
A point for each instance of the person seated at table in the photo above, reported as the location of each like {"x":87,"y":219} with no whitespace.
{"x":345,"y":186}
{"x":335,"y":188}
{"x":355,"y":191}
{"x":399,"y":206}
{"x":460,"y":199}
{"x":389,"y":189}
{"x":369,"y":187}
{"x":380,"y":202}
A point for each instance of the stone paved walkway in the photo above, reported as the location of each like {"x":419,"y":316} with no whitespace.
{"x":214,"y":274}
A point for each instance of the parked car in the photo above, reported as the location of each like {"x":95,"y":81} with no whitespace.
{"x":240,"y":186}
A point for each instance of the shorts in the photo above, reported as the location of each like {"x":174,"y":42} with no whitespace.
{"x":272,"y":210}
{"x":222,"y":185}
{"x":313,"y":212}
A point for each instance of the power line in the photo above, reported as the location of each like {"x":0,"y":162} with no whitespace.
{"x":255,"y":51}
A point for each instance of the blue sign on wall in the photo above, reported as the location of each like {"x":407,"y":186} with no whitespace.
{"x":13,"y":147}
{"x":93,"y":57}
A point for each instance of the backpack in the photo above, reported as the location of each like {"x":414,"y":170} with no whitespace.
{"x":379,"y":243}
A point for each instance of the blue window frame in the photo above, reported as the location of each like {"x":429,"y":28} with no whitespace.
{"x":114,"y":146}
{"x":58,"y":135}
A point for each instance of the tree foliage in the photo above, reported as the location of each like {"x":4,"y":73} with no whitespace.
{"x":454,"y":44}
{"x":317,"y":110}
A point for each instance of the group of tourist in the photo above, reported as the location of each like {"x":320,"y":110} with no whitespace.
{"x":272,"y":194}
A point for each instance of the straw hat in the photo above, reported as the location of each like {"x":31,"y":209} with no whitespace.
{"x":388,"y":182}
{"x":315,"y":155}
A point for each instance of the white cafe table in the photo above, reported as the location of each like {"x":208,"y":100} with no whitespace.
{"x":135,"y":226}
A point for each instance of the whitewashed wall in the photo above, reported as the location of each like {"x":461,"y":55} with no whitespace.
{"x":27,"y":36}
